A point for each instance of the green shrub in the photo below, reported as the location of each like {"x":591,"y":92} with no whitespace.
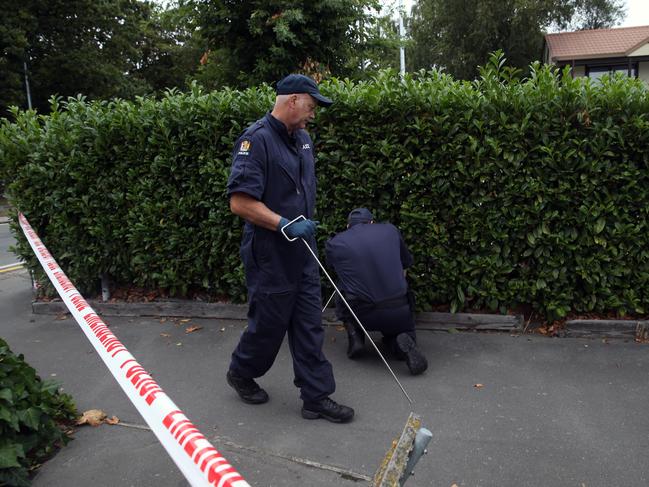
{"x":32,"y":413}
{"x":509,"y":192}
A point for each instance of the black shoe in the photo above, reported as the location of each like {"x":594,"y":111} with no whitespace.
{"x":415,"y":361}
{"x":355,"y":340}
{"x":247,"y":389}
{"x":329,"y":410}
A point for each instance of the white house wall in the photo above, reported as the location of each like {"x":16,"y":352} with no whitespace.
{"x":642,"y":51}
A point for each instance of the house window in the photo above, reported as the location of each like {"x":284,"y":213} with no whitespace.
{"x":596,"y":72}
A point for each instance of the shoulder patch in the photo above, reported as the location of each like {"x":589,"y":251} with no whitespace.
{"x":244,"y":148}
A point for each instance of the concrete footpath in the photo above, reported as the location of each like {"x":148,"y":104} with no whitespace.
{"x":505,"y":410}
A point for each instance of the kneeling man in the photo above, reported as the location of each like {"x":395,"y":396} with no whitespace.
{"x":370,"y":260}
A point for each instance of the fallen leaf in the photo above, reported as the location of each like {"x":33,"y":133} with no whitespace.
{"x":454,"y":485}
{"x":163,"y":320}
{"x":340,"y":328}
{"x":186,"y":320}
{"x":93,"y":417}
{"x":166,"y":335}
{"x":179,"y":344}
{"x":63,"y":316}
{"x":222,"y":329}
{"x":192,"y":329}
{"x":478,"y":386}
{"x":113,"y":420}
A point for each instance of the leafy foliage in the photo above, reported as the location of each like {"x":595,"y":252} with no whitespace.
{"x":458,"y":36}
{"x":30,"y":414}
{"x":264,"y":40}
{"x":113,"y":48}
{"x":509,"y":192}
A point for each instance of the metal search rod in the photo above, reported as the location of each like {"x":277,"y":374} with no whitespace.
{"x":328,"y":301}
{"x":302,"y":217}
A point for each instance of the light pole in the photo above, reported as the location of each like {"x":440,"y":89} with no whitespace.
{"x":29,"y":94}
{"x":402,"y":49}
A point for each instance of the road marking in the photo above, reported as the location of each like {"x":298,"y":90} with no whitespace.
{"x":11,"y":267}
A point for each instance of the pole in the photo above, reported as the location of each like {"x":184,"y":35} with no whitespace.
{"x":402,"y":49}
{"x":29,"y":95}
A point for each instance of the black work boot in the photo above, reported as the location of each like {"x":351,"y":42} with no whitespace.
{"x":407,"y":348}
{"x":327,"y":409}
{"x":247,"y":389}
{"x":355,"y":340}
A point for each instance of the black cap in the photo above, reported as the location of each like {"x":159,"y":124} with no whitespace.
{"x":298,"y":83}
{"x":359,"y":215}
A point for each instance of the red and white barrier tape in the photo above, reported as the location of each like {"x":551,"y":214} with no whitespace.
{"x":196,"y":458}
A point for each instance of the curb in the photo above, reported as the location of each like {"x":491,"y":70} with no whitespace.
{"x":607,"y":328}
{"x":433,"y":321}
{"x":191,"y":309}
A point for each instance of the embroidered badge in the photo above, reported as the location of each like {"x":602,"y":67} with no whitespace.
{"x":244,"y":148}
{"x":306,"y":147}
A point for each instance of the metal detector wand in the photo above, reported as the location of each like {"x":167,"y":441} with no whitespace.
{"x":302,"y":217}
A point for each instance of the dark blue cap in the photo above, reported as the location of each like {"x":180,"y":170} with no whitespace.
{"x":298,"y":83}
{"x":359,"y":215}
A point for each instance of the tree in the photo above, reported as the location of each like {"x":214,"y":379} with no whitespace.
{"x":73,"y":47}
{"x":458,"y":35}
{"x":13,"y":44}
{"x":262,"y":40}
{"x":172,"y":47}
{"x":597,"y":14}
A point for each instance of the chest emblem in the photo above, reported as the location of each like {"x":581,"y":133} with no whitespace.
{"x":245,"y":146}
{"x":306,"y":146}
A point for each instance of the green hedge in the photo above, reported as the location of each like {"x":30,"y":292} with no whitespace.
{"x":509,"y":192}
{"x":32,"y":413}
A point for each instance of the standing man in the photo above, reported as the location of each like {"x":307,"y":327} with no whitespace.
{"x":370,"y":260}
{"x":272,"y":182}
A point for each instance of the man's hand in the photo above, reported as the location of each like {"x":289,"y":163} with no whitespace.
{"x":300,"y":229}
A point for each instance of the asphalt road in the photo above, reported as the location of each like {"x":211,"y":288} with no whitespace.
{"x":505,"y":410}
{"x":6,"y":240}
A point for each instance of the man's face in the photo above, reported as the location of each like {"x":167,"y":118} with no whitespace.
{"x":303,"y":110}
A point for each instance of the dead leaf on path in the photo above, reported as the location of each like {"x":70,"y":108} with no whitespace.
{"x":113,"y":420}
{"x":192,"y":329}
{"x":93,"y":417}
{"x":166,"y":335}
{"x":478,"y":386}
{"x":63,"y":316}
{"x":222,"y":329}
{"x":185,"y":320}
{"x":454,"y":485}
{"x":340,"y":328}
{"x":163,"y":320}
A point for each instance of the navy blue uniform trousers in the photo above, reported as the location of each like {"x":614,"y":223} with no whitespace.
{"x":271,"y":316}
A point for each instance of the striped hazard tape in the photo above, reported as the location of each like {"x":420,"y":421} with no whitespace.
{"x":194,"y":455}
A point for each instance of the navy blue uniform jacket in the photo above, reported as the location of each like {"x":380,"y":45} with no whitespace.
{"x":278,"y":170}
{"x":369,"y":260}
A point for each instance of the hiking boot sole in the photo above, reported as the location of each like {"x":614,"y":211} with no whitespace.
{"x":415,"y":360}
{"x":306,"y":414}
